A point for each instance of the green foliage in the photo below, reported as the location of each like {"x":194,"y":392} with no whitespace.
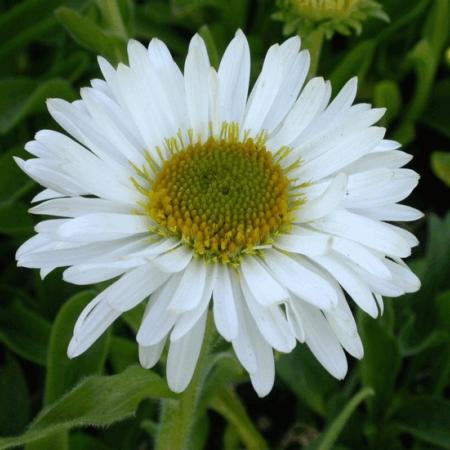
{"x":440,"y":163}
{"x":96,"y":401}
{"x":48,"y":49}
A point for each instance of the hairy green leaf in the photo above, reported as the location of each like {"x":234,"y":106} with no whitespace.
{"x":96,"y":401}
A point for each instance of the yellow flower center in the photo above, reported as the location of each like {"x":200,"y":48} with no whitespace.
{"x":223,"y":197}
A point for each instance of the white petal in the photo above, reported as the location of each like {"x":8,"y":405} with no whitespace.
{"x":191,"y":287}
{"x":325,"y":203}
{"x":73,"y":253}
{"x":81,"y":126}
{"x":260,"y":282}
{"x":108,"y":116}
{"x":133,"y":287}
{"x":343,"y":324}
{"x":387,"y":145}
{"x":196,"y":76}
{"x":379,"y":187}
{"x":183,"y":355}
{"x":388,"y":160}
{"x":302,"y":113}
{"x":300,"y":279}
{"x":349,"y":149}
{"x":264,"y":91}
{"x":234,"y":75}
{"x":295,"y":320}
{"x":295,"y":68}
{"x":94,"y":273}
{"x":264,"y":378}
{"x":322,"y":341}
{"x":404,"y":276}
{"x":379,"y":286}
{"x":46,"y":194}
{"x":50,"y":178}
{"x":243,"y":342}
{"x":371,"y":233}
{"x":149,"y":356}
{"x":175,"y":260}
{"x":304,"y":241}
{"x":172,"y":81}
{"x":188,"y":319}
{"x":103,"y":227}
{"x":349,"y":280}
{"x":78,"y":206}
{"x":271,"y":323}
{"x":158,"y":320}
{"x":224,"y":304}
{"x":393,"y":213}
{"x":97,"y":317}
{"x":361,"y":256}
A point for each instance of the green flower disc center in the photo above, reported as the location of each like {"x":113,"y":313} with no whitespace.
{"x":223,"y":197}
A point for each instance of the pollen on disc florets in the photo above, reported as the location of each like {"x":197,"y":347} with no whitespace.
{"x":224,"y":197}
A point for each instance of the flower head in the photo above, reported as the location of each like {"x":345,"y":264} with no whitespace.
{"x":188,"y":192}
{"x":343,"y":16}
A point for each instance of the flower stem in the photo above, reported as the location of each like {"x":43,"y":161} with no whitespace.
{"x":179,"y":416}
{"x":313,"y":42}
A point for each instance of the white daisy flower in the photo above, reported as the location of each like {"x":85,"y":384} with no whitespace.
{"x":188,"y":191}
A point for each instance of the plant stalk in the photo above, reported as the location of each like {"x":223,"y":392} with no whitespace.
{"x":178,"y":416}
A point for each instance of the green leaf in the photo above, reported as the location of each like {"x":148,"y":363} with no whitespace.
{"x":13,"y":182}
{"x":426,"y":418}
{"x":20,"y":97}
{"x":96,"y":401}
{"x":407,"y":339}
{"x":133,"y":317}
{"x":425,"y":58}
{"x":222,"y":369}
{"x":63,"y":373}
{"x":90,"y":36}
{"x":437,"y":114}
{"x":14,"y":398}
{"x":55,"y":441}
{"x":15,"y":220}
{"x":381,"y":363}
{"x":211,"y":46}
{"x":387,"y":94}
{"x":440,"y":163}
{"x":71,"y":67}
{"x":24,"y":22}
{"x":307,"y":378}
{"x":123,"y":353}
{"x":356,"y":62}
{"x":229,"y":406}
{"x":113,"y":18}
{"x":330,"y":435}
{"x":81,"y":441}
{"x":443,"y":309}
{"x":24,"y":332}
{"x":436,"y":276}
